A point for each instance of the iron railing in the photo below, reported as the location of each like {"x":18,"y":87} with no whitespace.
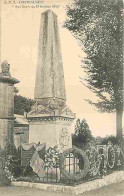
{"x":79,"y":166}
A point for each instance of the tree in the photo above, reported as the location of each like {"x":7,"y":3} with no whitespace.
{"x":82,"y":133}
{"x":22,"y":104}
{"x":110,"y":138}
{"x":98,"y":25}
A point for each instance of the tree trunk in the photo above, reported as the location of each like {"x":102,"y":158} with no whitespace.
{"x":119,"y":127}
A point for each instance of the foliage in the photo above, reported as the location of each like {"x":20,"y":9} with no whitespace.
{"x":22,"y":104}
{"x":10,"y":163}
{"x":98,"y":25}
{"x":5,"y":175}
{"x":110,"y":138}
{"x":13,"y":159}
{"x":26,"y":171}
{"x":52,"y":157}
{"x":82,"y":133}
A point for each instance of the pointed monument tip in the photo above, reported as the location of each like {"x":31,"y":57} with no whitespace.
{"x":49,"y":11}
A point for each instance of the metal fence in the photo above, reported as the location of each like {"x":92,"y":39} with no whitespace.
{"x":79,"y":166}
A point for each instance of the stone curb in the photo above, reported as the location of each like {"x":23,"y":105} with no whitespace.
{"x":117,"y":176}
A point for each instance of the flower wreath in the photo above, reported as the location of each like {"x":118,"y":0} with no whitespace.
{"x":82,"y":173}
{"x":52,"y":158}
{"x":94,"y":160}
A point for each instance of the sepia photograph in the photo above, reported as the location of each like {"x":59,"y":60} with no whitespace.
{"x":61,"y":98}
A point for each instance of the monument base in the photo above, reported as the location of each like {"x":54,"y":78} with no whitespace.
{"x":54,"y":129}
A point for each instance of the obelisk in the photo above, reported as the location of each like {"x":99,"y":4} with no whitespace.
{"x":50,"y":76}
{"x":50,"y":120}
{"x":6,"y":105}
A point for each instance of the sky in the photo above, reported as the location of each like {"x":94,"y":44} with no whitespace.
{"x":19,"y":46}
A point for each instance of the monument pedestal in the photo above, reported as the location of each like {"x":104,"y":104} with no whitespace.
{"x":6,"y":105}
{"x":52,"y":129}
{"x":6,"y":132}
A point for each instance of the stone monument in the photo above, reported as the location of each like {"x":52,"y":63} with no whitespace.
{"x":6,"y":105}
{"x":50,"y":119}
